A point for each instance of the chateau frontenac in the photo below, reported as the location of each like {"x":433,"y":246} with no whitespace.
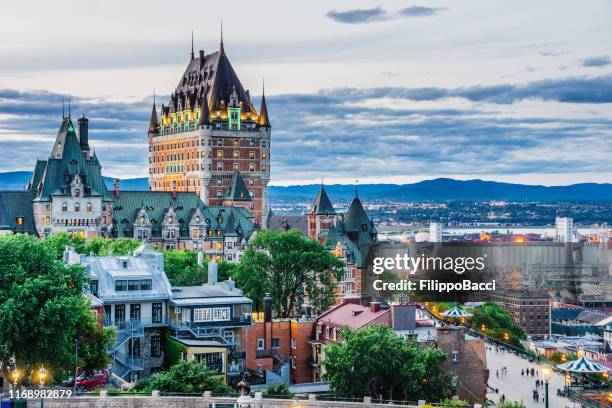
{"x":208,"y":133}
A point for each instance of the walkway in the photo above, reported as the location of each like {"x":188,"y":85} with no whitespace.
{"x":520,"y":388}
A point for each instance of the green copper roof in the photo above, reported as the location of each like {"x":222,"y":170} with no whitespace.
{"x":238,"y":191}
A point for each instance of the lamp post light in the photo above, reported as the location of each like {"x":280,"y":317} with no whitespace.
{"x":15,"y":375}
{"x":506,"y":337}
{"x":42,"y":376}
{"x":546,"y":374}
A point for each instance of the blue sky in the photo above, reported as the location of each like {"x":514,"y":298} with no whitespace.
{"x":386,"y":91}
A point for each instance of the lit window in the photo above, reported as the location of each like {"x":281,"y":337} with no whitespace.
{"x":89,"y":207}
{"x":19,"y":220}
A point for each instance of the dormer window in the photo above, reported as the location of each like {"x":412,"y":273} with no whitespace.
{"x":64,"y":207}
{"x":77,"y":207}
{"x":19,"y":221}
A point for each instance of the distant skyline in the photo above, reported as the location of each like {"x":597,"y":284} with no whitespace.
{"x":385,"y":91}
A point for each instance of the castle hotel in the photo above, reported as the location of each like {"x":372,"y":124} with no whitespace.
{"x":209,"y":132}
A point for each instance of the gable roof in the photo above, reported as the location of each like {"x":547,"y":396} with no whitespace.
{"x":322,"y":205}
{"x":285,"y":222}
{"x":354,"y":316}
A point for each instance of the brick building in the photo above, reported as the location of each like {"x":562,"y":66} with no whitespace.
{"x":466,"y":360}
{"x":207,"y":131}
{"x":529,"y":309}
{"x":279,"y":349}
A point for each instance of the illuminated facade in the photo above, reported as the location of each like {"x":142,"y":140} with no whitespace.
{"x":208,"y":131}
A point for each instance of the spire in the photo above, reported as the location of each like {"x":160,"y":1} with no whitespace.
{"x":264,"y":120}
{"x":238,"y":190}
{"x":154,"y":122}
{"x":322,"y":204}
{"x":221,"y":47}
{"x":192,"y":54}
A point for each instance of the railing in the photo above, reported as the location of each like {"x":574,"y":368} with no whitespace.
{"x":143,"y":322}
{"x":266,"y":353}
{"x":133,"y":363}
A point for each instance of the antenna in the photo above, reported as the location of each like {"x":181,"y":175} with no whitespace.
{"x":63,"y":108}
{"x":221,"y":47}
{"x":356,"y":185}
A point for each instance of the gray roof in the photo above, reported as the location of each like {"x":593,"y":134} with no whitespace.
{"x":200,"y":343}
{"x":224,"y":292}
{"x":142,"y":265}
{"x":322,"y":205}
{"x":285,"y":222}
{"x":14,"y":205}
{"x":238,"y":190}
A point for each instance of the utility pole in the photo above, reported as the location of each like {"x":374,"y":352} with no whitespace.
{"x":76,"y":364}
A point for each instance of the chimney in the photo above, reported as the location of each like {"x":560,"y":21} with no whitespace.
{"x":201,"y":58}
{"x":200,"y":258}
{"x":83,"y":125}
{"x":374,"y":307}
{"x":212,"y":272}
{"x":116,"y":186}
{"x":267,"y":308}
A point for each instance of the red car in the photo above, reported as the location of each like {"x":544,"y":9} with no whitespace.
{"x":92,"y":382}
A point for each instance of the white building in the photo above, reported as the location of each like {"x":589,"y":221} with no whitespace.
{"x":435,"y":232}
{"x":564,"y":229}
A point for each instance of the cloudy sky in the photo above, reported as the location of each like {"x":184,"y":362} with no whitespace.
{"x":386,"y":91}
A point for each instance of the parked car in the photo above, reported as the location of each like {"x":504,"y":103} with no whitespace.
{"x":92,"y":382}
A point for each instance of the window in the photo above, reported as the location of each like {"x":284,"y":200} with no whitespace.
{"x":455,"y":356}
{"x":156,"y":313}
{"x":235,"y":140}
{"x":64,"y":207}
{"x":202,"y":315}
{"x":135,"y":312}
{"x":252,"y":155}
{"x":119,"y":314}
{"x":134,"y":347}
{"x":88,"y":207}
{"x":264,"y":156}
{"x":221,"y":313}
{"x":93,"y":287}
{"x":260,"y":344}
{"x":236,"y":166}
{"x":251,"y":166}
{"x":275,"y":342}
{"x":293,"y":344}
{"x":121,"y":285}
{"x":133,"y":285}
{"x":219,"y":154}
{"x":47,"y":220}
{"x":77,"y":207}
{"x":236,"y":154}
{"x":156,"y":345}
{"x":146,"y":284}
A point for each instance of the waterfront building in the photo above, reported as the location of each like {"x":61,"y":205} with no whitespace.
{"x":207,"y":131}
{"x":564,"y":229}
{"x":435,"y":232}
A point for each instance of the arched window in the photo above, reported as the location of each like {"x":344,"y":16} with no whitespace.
{"x":65,"y":207}
{"x":89,"y":207}
{"x":77,"y":207}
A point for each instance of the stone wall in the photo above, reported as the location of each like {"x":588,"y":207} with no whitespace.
{"x":199,"y":402}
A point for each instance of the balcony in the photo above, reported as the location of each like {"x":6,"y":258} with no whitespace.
{"x":266,"y":353}
{"x":143,"y":322}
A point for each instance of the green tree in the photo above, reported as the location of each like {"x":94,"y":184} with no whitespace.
{"x":42,"y":308}
{"x":290,"y":267}
{"x":498,"y":324}
{"x":188,"y":377}
{"x":374,"y":361}
{"x":182,"y":268}
{"x":57,"y":243}
{"x":277,"y":390}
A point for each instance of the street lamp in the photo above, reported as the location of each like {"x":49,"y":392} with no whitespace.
{"x":42,"y":376}
{"x":15,"y":376}
{"x":506,"y":337}
{"x":546,"y":373}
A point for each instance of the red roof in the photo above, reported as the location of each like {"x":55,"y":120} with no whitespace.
{"x":354,"y":316}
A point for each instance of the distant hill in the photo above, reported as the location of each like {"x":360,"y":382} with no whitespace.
{"x":437,"y":189}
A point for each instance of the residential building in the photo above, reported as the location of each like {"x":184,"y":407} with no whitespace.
{"x":278,"y":349}
{"x":134,"y":292}
{"x":564,"y":229}
{"x":529,"y":309}
{"x":207,"y":130}
{"x":208,"y":321}
{"x":68,"y":194}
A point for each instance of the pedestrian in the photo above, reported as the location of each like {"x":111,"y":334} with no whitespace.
{"x":532,"y":372}
{"x":522,"y":373}
{"x":497,"y":373}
